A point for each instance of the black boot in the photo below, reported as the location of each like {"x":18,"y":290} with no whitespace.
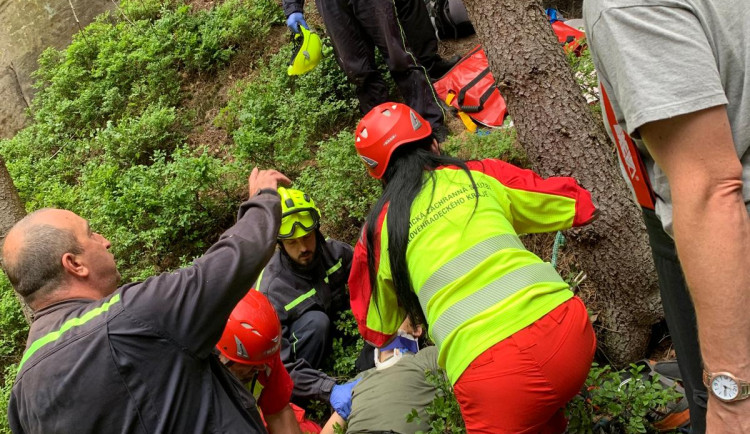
{"x":440,"y":67}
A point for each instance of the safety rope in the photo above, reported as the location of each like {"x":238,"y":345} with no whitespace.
{"x":559,"y":242}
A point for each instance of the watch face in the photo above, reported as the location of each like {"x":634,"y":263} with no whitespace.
{"x":725,"y":387}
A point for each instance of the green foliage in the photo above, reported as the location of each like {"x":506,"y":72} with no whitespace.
{"x":275,"y":119}
{"x":338,"y":429}
{"x":346,"y":347}
{"x":346,"y":190}
{"x":13,"y":331}
{"x":136,"y":10}
{"x":617,"y":405}
{"x":585,"y":75}
{"x":496,"y":143}
{"x":159,"y":216}
{"x":443,"y":412}
{"x":108,"y":136}
{"x":8,"y":376}
{"x":13,"y":326}
{"x":318,"y":411}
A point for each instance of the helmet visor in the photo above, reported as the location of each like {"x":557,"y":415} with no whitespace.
{"x":297,"y":224}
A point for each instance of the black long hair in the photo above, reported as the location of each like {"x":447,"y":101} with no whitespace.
{"x":404,"y":179}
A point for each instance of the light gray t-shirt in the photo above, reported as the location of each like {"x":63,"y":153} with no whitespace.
{"x":383,"y":399}
{"x":663,"y":58}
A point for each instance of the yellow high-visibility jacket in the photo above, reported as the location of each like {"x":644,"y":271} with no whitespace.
{"x":476,"y":282}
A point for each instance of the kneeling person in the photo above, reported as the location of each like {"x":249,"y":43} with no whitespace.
{"x":306,"y":280}
{"x":250,"y":347}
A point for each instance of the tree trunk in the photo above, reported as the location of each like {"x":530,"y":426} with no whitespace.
{"x":562,"y":137}
{"x":11,"y":211}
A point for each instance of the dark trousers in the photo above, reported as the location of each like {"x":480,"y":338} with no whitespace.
{"x":356,"y":28}
{"x":303,"y":349}
{"x":419,"y":31}
{"x":680,"y":315}
{"x":309,"y":338}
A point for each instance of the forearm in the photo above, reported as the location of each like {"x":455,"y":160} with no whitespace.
{"x":712,"y":232}
{"x":334,"y":420}
{"x":711,"y":228}
{"x":283,"y":422}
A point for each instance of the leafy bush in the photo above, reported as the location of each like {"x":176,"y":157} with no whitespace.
{"x":444,"y":412}
{"x":346,"y":347}
{"x":8,"y":374}
{"x":107,"y":137}
{"x":585,"y":75}
{"x":616,"y":405}
{"x":13,"y":326}
{"x":496,"y":143}
{"x":159,"y":216}
{"x":341,"y":186}
{"x":275,"y":119}
{"x":13,"y":331}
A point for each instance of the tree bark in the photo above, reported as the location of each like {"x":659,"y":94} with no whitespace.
{"x":11,"y":211}
{"x":561,"y":136}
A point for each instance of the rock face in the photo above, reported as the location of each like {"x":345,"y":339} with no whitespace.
{"x":27,"y":27}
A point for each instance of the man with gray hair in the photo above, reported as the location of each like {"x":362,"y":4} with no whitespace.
{"x":136,"y":358}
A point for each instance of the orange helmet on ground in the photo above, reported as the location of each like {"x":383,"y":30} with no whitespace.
{"x":385,"y":128}
{"x":252,"y":335}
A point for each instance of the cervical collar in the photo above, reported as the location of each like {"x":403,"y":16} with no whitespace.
{"x":403,"y":343}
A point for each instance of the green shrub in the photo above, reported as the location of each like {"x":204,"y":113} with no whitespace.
{"x":340,"y":186}
{"x":8,"y":376}
{"x":617,"y":406}
{"x":13,"y":331}
{"x":346,"y":347}
{"x":585,"y":75}
{"x":276,"y":119}
{"x":108,"y":136}
{"x":495,"y":143}
{"x":443,"y":412}
{"x":160,"y":216}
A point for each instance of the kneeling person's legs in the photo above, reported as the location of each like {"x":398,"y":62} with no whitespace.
{"x":310,"y":336}
{"x":521,"y":384}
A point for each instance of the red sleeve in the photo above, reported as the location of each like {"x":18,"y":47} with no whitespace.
{"x":527,"y":180}
{"x":360,"y":291}
{"x":277,"y":388}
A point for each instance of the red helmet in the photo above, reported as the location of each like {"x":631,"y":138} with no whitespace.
{"x":385,"y":128}
{"x":253,"y":332}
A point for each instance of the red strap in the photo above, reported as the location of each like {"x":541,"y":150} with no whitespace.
{"x":630,"y":157}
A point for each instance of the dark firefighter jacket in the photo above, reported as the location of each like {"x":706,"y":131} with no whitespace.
{"x":140,"y":360}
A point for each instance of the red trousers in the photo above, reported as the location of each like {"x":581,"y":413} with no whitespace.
{"x":522,"y":383}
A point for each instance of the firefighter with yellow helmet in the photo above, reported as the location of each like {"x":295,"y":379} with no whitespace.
{"x":305,"y":280}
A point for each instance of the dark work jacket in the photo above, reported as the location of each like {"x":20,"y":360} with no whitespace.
{"x":140,"y":360}
{"x":293,"y":290}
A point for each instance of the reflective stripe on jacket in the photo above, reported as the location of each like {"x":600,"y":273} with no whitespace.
{"x":475,"y":280}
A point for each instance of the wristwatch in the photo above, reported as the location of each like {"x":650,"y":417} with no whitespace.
{"x":726,"y":386}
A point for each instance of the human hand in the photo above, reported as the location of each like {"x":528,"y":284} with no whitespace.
{"x":727,"y":417}
{"x":260,"y":179}
{"x":295,"y":20}
{"x":341,"y":398}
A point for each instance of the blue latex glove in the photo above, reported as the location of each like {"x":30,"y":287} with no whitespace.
{"x":295,"y":20}
{"x":341,"y":398}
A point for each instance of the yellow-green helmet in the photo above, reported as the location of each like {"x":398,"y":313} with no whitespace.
{"x":306,"y":54}
{"x":299,"y":215}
